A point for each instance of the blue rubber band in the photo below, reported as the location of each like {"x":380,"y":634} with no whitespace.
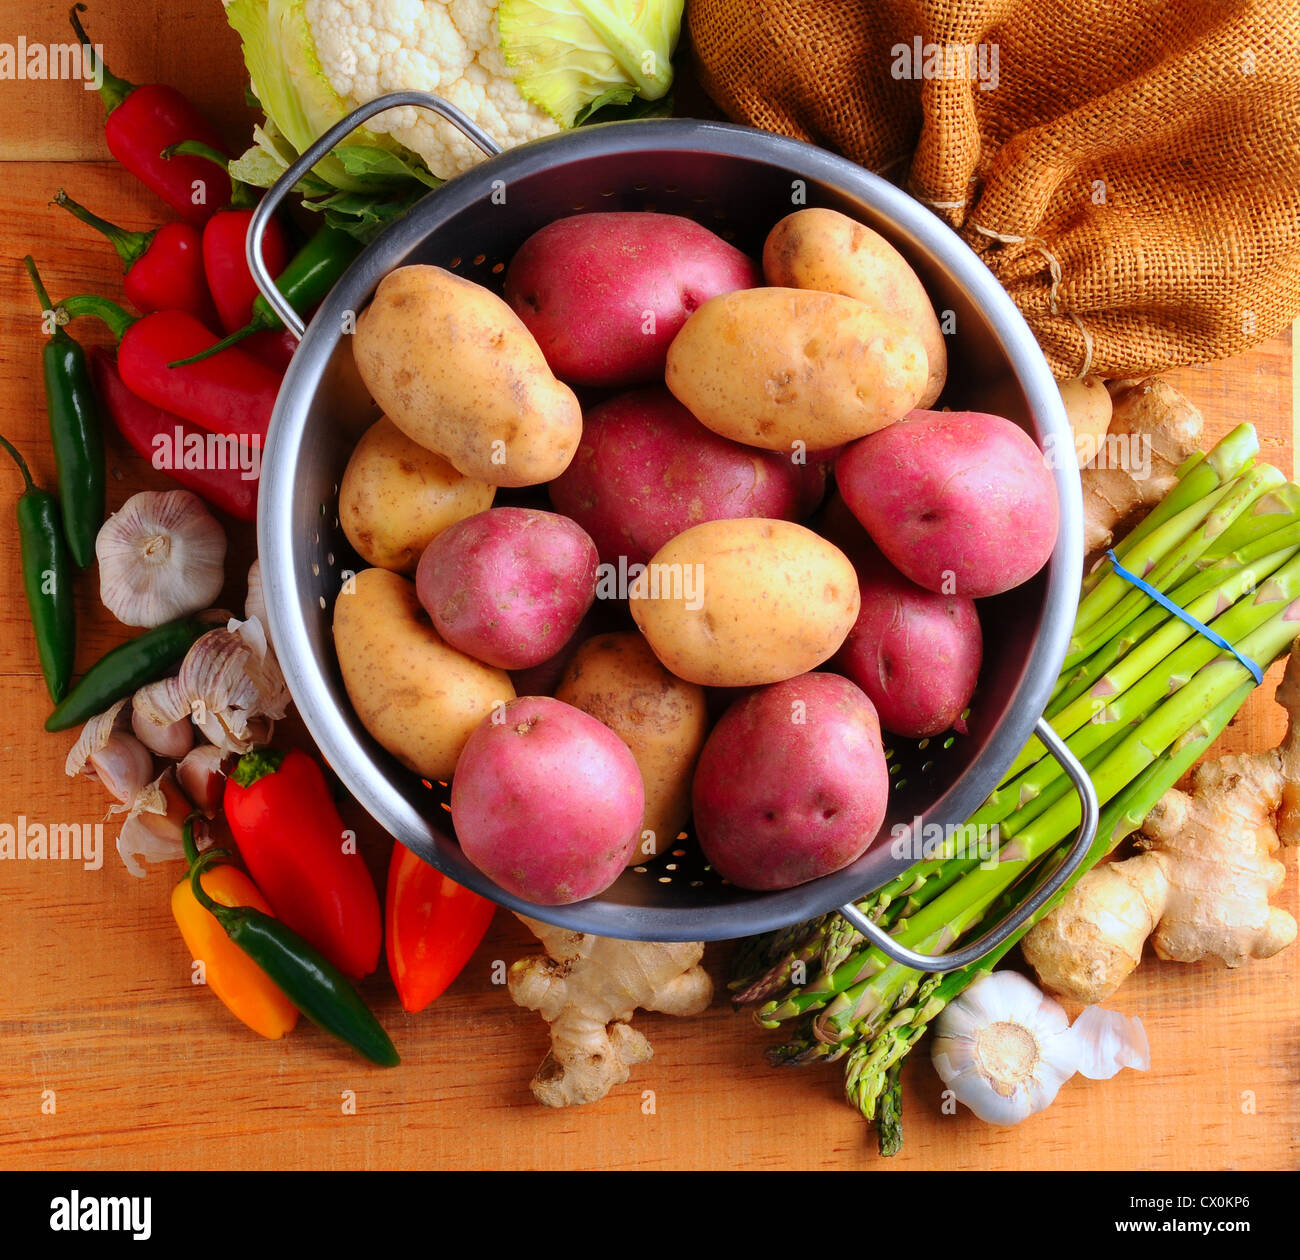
{"x":1183,"y":615}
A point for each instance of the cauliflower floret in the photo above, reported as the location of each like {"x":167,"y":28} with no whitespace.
{"x":449,"y":47}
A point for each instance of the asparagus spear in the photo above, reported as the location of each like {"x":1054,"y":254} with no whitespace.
{"x":889,"y":1123}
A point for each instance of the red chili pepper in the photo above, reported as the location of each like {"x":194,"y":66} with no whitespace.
{"x":274,"y":347}
{"x":165,"y":440}
{"x":293,"y":842}
{"x":232,"y":284}
{"x":433,"y":926}
{"x":145,"y":120}
{"x":164,"y":268}
{"x":232,"y":392}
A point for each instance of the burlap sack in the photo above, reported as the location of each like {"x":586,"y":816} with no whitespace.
{"x":1129,"y":169}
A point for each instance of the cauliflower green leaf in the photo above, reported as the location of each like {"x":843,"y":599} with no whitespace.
{"x":573,"y":57}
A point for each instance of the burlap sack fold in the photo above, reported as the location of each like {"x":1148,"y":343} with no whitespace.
{"x":1129,"y":169}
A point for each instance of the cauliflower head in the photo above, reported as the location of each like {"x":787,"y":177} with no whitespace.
{"x":449,"y":47}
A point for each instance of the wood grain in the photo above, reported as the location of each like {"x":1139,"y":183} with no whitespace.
{"x":95,"y":999}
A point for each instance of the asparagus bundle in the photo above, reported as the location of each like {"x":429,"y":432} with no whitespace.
{"x":1141,"y":696}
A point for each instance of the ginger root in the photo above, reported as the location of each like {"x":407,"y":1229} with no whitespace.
{"x":1200,"y":888}
{"x":587,"y":988}
{"x":1152,"y":430}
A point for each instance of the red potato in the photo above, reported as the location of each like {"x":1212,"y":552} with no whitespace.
{"x":605,"y":294}
{"x":915,"y":653}
{"x":646,"y":470}
{"x":508,"y":586}
{"x":814,"y":786}
{"x":961,"y":502}
{"x":543,"y":678}
{"x":547,"y":801}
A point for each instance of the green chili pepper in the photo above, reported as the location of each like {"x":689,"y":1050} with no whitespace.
{"x":311,"y":273}
{"x":46,"y":579}
{"x":125,"y":669}
{"x":75,"y":433}
{"x":312,"y":983}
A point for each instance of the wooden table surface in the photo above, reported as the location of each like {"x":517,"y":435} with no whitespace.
{"x":112,"y":1059}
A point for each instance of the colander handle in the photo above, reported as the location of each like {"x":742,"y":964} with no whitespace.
{"x":341,"y":130}
{"x":995,"y":936}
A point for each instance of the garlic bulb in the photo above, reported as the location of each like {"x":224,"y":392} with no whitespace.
{"x":1005,"y":1049}
{"x":107,"y":751}
{"x":161,"y":556}
{"x":229,"y":683}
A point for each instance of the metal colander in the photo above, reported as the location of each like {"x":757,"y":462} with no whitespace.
{"x":738,"y":182}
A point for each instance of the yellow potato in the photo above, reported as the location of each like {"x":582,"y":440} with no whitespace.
{"x":398,"y":496}
{"x":456,"y":370}
{"x":826,"y":250}
{"x":744,"y":602}
{"x":1088,"y":406}
{"x":617,"y":679}
{"x":418,"y":697}
{"x":778,"y":367}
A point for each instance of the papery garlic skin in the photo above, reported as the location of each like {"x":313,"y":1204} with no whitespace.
{"x":1106,"y":1041}
{"x":161,"y":556}
{"x":1005,"y":1048}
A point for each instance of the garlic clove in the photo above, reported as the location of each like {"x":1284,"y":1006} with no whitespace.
{"x":161,"y":703}
{"x":1105,"y":1042}
{"x":167,"y":739}
{"x":152,"y":829}
{"x":105,"y":750}
{"x":123,"y":766}
{"x":161,"y":556}
{"x":255,"y":600}
{"x":202,"y":777}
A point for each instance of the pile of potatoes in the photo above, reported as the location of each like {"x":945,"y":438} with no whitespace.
{"x":602,"y":615}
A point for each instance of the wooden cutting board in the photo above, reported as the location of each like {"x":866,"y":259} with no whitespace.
{"x":113,"y":1059}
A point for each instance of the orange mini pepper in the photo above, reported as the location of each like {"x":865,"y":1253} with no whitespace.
{"x":240,"y":983}
{"x":434,"y":925}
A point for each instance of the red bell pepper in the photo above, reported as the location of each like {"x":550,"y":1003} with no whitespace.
{"x":232,"y":392}
{"x":292,"y":840}
{"x":164,"y":268}
{"x":147,"y":428}
{"x":433,"y":926}
{"x":142,"y":122}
